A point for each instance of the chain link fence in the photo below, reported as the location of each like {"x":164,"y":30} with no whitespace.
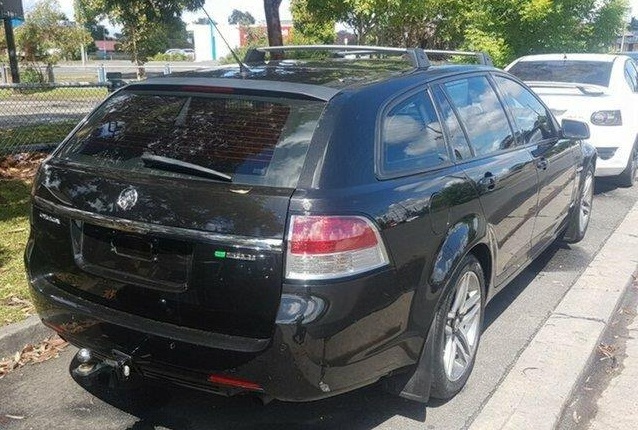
{"x":37,"y":117}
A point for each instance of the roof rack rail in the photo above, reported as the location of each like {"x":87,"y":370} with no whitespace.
{"x":418,"y":56}
{"x":481,"y":57}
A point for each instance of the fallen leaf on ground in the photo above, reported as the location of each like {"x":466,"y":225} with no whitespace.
{"x":43,"y":351}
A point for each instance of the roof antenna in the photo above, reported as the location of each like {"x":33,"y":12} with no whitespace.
{"x":242,"y":67}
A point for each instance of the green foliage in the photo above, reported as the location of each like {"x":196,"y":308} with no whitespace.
{"x":514,"y":28}
{"x":241,"y":18}
{"x":505,"y":29}
{"x":146,"y":24}
{"x":169,"y":57}
{"x":307,"y":29}
{"x":31,"y":75}
{"x":47,"y":36}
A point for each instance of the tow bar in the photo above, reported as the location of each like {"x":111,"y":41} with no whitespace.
{"x":90,"y":367}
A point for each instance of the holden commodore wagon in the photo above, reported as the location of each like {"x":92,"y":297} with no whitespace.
{"x":299,"y":228}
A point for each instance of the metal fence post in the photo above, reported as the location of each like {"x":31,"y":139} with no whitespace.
{"x":101,"y":74}
{"x":167,"y":69}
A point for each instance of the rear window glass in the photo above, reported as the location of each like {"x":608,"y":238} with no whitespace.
{"x":582,"y":72}
{"x":256,"y":140}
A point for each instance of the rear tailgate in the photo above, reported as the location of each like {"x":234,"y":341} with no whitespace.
{"x":165,"y":244}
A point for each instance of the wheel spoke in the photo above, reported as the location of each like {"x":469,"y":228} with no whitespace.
{"x":461,"y":294}
{"x":471,"y":302}
{"x":449,"y":356}
{"x":471,"y":315}
{"x":464,"y":346}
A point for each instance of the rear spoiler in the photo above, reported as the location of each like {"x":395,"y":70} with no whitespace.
{"x":586,"y":89}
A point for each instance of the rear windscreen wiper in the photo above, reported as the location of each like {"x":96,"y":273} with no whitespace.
{"x":178,"y":166}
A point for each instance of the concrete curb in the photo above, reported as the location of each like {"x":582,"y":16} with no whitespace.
{"x":534,"y":393}
{"x":15,"y":336}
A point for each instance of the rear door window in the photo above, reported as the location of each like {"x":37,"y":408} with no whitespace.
{"x":481,"y":113}
{"x":255,"y":140}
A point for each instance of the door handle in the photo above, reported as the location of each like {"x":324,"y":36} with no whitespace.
{"x":542,"y":164}
{"x":487,"y":182}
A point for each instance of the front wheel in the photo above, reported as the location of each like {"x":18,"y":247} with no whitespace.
{"x":581,"y":214}
{"x":458,"y":330}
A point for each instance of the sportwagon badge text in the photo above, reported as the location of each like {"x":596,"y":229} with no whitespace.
{"x":127,"y":198}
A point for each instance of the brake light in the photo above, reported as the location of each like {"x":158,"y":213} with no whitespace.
{"x":327,"y":247}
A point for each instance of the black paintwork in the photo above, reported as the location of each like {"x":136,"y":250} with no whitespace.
{"x":189,"y":314}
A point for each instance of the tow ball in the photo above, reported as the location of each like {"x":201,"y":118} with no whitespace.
{"x":90,"y":367}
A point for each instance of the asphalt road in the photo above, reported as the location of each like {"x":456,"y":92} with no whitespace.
{"x":44,"y":396}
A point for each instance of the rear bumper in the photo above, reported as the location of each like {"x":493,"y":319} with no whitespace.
{"x":298,"y":363}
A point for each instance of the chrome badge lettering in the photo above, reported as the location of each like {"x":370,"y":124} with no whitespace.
{"x":127,"y":199}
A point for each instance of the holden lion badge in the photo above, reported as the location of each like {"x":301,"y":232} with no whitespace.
{"x":127,"y":198}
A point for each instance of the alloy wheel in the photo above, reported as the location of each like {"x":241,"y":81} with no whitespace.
{"x":462,"y":327}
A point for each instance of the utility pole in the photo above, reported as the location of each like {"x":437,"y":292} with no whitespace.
{"x":11,"y":48}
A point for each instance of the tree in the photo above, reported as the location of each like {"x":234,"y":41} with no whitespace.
{"x":48,"y":36}
{"x":504,"y":28}
{"x":273,"y":23}
{"x":241,"y":18}
{"x":512,"y":28}
{"x":142,"y":22}
{"x":308,"y":30}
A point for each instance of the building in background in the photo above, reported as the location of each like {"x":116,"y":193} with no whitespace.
{"x":210,"y":46}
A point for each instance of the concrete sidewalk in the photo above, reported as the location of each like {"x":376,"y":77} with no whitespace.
{"x":617,"y":407}
{"x":538,"y":387}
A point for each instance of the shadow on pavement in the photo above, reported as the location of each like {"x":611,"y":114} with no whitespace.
{"x":167,"y":406}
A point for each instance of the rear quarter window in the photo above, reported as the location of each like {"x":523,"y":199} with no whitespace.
{"x":412,"y":137}
{"x":256,"y":140}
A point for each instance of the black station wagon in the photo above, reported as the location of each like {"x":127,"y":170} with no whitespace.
{"x":297,"y":228}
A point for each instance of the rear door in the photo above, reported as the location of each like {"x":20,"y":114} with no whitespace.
{"x":136,"y":211}
{"x":503,"y":173}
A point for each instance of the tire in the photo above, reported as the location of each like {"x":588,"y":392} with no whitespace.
{"x":628,"y":177}
{"x":458,"y":320}
{"x":580,"y":216}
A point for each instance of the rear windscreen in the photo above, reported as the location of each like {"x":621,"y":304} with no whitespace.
{"x":581,"y":72}
{"x":255,"y":140}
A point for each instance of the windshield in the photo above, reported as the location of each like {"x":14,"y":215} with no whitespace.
{"x":582,"y":72}
{"x":256,"y":140}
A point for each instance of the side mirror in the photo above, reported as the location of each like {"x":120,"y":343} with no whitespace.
{"x":575,"y":129}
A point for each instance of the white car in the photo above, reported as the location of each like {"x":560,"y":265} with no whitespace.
{"x":599,"y":89}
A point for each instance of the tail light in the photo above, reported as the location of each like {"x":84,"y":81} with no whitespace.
{"x":328,"y":247}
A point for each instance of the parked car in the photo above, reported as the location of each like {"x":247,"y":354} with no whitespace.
{"x":188,"y":53}
{"x":298,"y":228}
{"x":600,"y":89}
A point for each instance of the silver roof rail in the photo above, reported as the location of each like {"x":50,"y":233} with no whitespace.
{"x":419,"y":59}
{"x":481,"y":57}
{"x":418,"y":56}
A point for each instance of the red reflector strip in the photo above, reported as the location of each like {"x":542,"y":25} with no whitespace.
{"x":234,"y":382}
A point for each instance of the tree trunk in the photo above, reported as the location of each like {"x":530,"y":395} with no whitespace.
{"x":271,"y":9}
